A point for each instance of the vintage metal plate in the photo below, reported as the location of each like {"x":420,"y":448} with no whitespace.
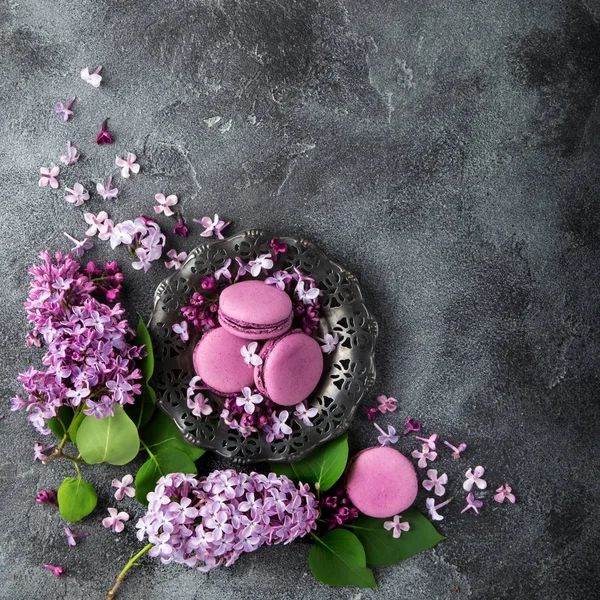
{"x":349,"y":371}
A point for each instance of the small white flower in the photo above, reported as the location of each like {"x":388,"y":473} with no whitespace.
{"x":307,"y":296}
{"x":94,"y":79}
{"x":248,"y":400}
{"x":250,"y":356}
{"x":305,"y":414}
{"x":78,"y":195}
{"x":259,"y":263}
{"x":330,"y":343}
{"x":127,"y":164}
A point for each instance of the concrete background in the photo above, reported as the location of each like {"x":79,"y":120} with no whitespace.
{"x":444,"y":151}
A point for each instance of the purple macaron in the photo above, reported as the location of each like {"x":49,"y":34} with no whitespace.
{"x":254,"y":310}
{"x":291,"y":368}
{"x":218,"y":361}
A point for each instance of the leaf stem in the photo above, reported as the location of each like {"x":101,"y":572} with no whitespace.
{"x":131,"y":563}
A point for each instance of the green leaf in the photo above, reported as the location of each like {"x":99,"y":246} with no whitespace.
{"x":143,"y":337}
{"x":59,"y":425}
{"x":382,"y":549}
{"x":74,"y":427}
{"x":164,"y":462}
{"x":161,"y":433}
{"x":114,"y":440}
{"x":143,"y":407}
{"x":338,"y":559}
{"x":76,"y":499}
{"x":323,"y":467}
{"x":284,"y":469}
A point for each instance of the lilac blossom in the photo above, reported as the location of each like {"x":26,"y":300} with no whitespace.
{"x":336,"y":508}
{"x":201,"y":312}
{"x":78,"y":195}
{"x":412,"y":425}
{"x":279,"y":279}
{"x":224,"y":271}
{"x":504,"y":493}
{"x":372,"y":414}
{"x":329,"y":343}
{"x":396,"y":526}
{"x":104,"y":137}
{"x":248,"y":400}
{"x":176,"y":259}
{"x":432,"y":508}
{"x":435,"y":483}
{"x":48,"y":177}
{"x":456,"y":452}
{"x":71,"y":156}
{"x":62,"y":111}
{"x":206,"y":522}
{"x":430,"y":441}
{"x":472,"y":504}
{"x":277,"y":247}
{"x":424,"y":455}
{"x":116,"y":520}
{"x":164,"y":204}
{"x":264,"y":261}
{"x":128,"y":165}
{"x":94,"y":79}
{"x":108,"y":192}
{"x":56,"y":571}
{"x":123,"y":487}
{"x":307,"y":295}
{"x":212,"y":227}
{"x":474,"y":477}
{"x":243,"y":268}
{"x":39,"y":451}
{"x":305,"y":414}
{"x":387,"y":438}
{"x":251,"y":358}
{"x":96,"y":222}
{"x":199,"y":405}
{"x":72,"y":537}
{"x":386,"y":404}
{"x":80,"y":246}
{"x":47,"y":497}
{"x":180,"y":228}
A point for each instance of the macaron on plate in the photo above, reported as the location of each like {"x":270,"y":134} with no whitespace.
{"x":263,"y":347}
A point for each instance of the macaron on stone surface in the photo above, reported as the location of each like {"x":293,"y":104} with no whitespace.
{"x":218,"y":361}
{"x":381,"y":482}
{"x":292,"y":367}
{"x":255,"y":310}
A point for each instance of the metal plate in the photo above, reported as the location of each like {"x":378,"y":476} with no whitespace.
{"x":349,"y":372}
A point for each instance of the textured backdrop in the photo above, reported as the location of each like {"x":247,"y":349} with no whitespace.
{"x":447,"y":152}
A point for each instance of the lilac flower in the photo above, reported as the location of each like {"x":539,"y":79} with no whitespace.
{"x":104,"y":137}
{"x":372,"y":414}
{"x":472,"y":504}
{"x":76,"y":397}
{"x":412,"y":425}
{"x":248,"y":400}
{"x":180,"y":228}
{"x":389,"y":438}
{"x":123,"y":487}
{"x":250,"y":356}
{"x":224,"y":271}
{"x":435,"y":483}
{"x":199,"y":405}
{"x":279,"y":278}
{"x":96,"y":222}
{"x":128,"y":164}
{"x":432,"y":508}
{"x":78,"y":195}
{"x":213,"y":227}
{"x":456,"y":451}
{"x":430,"y":441}
{"x":387,"y":404}
{"x":396,"y":526}
{"x":329,"y":343}
{"x":261,"y":262}
{"x":309,"y":295}
{"x":336,"y":508}
{"x":176,"y":259}
{"x":72,"y":537}
{"x":474,"y":477}
{"x":424,"y":455}
{"x":182,"y":330}
{"x":94,"y":79}
{"x":277,"y":247}
{"x":305,"y":414}
{"x":80,"y":247}
{"x":47,"y":497}
{"x":279,"y":423}
{"x":39,"y":451}
{"x":49,"y":177}
{"x":504,"y":493}
{"x":243,"y":268}
{"x":62,"y":110}
{"x":56,"y":571}
{"x":116,"y":521}
{"x":71,"y":157}
{"x":164,"y":204}
{"x":108,"y":192}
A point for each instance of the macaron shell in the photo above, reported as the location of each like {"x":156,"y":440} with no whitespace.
{"x":381,"y":482}
{"x":292,"y":367}
{"x":218,"y":361}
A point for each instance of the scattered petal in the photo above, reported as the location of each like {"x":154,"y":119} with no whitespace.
{"x":94,"y":79}
{"x":62,"y":110}
{"x":249,"y":353}
{"x":389,"y":438}
{"x":57,"y":571}
{"x":182,"y":330}
{"x":432,"y":508}
{"x":456,"y":451}
{"x":305,"y":414}
{"x":396,"y":526}
{"x":504,"y":493}
{"x":435,"y":483}
{"x":104,"y":137}
{"x":123,"y":487}
{"x":116,"y":520}
{"x":424,"y":455}
{"x":430,"y":441}
{"x":412,"y":425}
{"x":71,"y":157}
{"x":72,"y":537}
{"x":49,"y":177}
{"x":212,"y":227}
{"x":80,"y":247}
{"x":78,"y":195}
{"x":329,"y":343}
{"x":128,"y":164}
{"x":108,"y":192}
{"x":387,"y":404}
{"x":474,"y":477}
{"x":472,"y":504}
{"x":176,"y":259}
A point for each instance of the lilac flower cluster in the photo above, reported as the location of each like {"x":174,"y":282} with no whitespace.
{"x":336,"y":509}
{"x":201,"y":312}
{"x":204,"y":522}
{"x":90,"y":360}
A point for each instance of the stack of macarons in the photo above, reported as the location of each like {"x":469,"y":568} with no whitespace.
{"x":288,"y":365}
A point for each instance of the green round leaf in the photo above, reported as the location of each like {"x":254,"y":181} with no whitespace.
{"x":338,"y":559}
{"x":164,"y":462}
{"x":76,"y":499}
{"x":59,"y":425}
{"x":143,"y":407}
{"x":114,"y":440}
{"x":74,"y":427}
{"x":143,"y":337}
{"x":383,"y":549}
{"x":323,"y":467}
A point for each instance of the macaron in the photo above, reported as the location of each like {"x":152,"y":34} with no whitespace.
{"x":291,"y":368}
{"x":381,"y":482}
{"x":218,"y":361}
{"x":255,"y":310}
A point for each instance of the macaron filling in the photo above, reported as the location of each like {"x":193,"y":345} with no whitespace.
{"x":243,"y":328}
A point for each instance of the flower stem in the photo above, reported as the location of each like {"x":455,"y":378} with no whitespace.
{"x":128,"y":566}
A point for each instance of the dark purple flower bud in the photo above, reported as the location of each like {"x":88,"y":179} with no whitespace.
{"x":47,"y":497}
{"x":263,"y":421}
{"x":248,"y":420}
{"x":330,"y":501}
{"x":180,"y":228}
{"x":57,"y":571}
{"x":208,"y":283}
{"x":372,"y":414}
{"x":214,"y":308}
{"x":104,"y":136}
{"x":344,"y":513}
{"x":277,"y":247}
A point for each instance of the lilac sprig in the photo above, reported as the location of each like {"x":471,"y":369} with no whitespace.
{"x":336,"y":509}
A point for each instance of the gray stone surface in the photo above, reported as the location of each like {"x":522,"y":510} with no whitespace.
{"x":446,"y":152}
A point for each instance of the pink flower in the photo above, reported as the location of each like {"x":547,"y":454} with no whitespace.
{"x":307,"y":296}
{"x":71,"y":537}
{"x":472,"y":503}
{"x":305,"y":414}
{"x":180,"y":228}
{"x":56,"y":571}
{"x":182,"y":330}
{"x":248,"y":400}
{"x":176,"y":259}
{"x":104,"y":136}
{"x":96,"y":223}
{"x":389,"y":438}
{"x":329,"y":343}
{"x":473,"y":477}
{"x":71,"y":157}
{"x":49,"y":177}
{"x":250,"y":356}
{"x":213,"y":227}
{"x":243,"y":268}
{"x":224,"y":271}
{"x":164,"y":204}
{"x":199,"y":405}
{"x":279,"y":278}
{"x":39,"y":451}
{"x":128,"y":164}
{"x":412,"y":425}
{"x":80,"y":247}
{"x":372,"y":414}
{"x":261,"y":262}
{"x":396,"y":526}
{"x":456,"y":451}
{"x":423,"y":456}
{"x":108,"y":192}
{"x":387,"y":404}
{"x":116,"y":520}
{"x":430,"y":441}
{"x":504,"y":492}
{"x":277,"y":247}
{"x":123,"y":487}
{"x":62,"y":110}
{"x":94,"y":79}
{"x":47,"y":497}
{"x":432,"y":508}
{"x":78,"y":195}
{"x":435,"y":483}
